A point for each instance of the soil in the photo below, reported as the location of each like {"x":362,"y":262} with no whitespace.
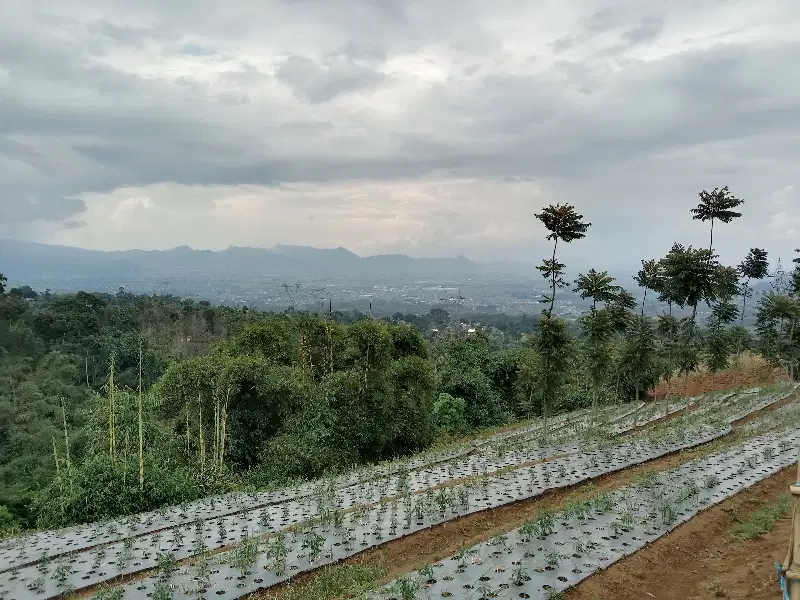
{"x":698,"y":560}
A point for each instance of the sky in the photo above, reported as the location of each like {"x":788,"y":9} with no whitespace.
{"x":428,"y":127}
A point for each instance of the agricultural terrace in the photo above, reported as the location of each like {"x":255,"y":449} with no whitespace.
{"x":240,"y":544}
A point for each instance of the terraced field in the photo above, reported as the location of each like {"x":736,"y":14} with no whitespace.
{"x":235,"y":545}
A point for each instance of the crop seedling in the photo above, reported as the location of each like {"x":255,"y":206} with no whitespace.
{"x":603,"y":503}
{"x":552,"y":558}
{"x":519,"y":576}
{"x":203,"y":575}
{"x":42,"y":565}
{"x":528,"y":531}
{"x":245,"y":555}
{"x":263,"y":518}
{"x":165,"y":564}
{"x":199,"y":545}
{"x":313,"y":543}
{"x":36,"y":585}
{"x":427,"y":573}
{"x":627,"y":519}
{"x":667,"y":512}
{"x":484,"y":591}
{"x":177,"y":537}
{"x":406,"y":588}
{"x":462,"y":558}
{"x":545,"y":524}
{"x":62,"y":573}
{"x":277,"y":552}
{"x":499,"y":540}
{"x":578,"y":547}
{"x":162,"y":591}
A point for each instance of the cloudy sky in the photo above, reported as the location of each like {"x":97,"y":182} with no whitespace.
{"x":431,"y":127}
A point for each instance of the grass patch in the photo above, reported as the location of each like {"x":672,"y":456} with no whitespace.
{"x":332,"y":582}
{"x":762,"y":521}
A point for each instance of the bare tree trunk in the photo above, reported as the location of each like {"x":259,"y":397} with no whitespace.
{"x":224,"y":427}
{"x":141,"y":423}
{"x":553,"y":297}
{"x":711,"y":242}
{"x":200,"y":434}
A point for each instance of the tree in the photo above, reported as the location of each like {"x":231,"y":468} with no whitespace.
{"x":781,"y":280}
{"x":777,"y":320}
{"x":796,"y":275}
{"x":25,"y":291}
{"x":553,"y":343}
{"x":754,"y":266}
{"x":667,"y":329}
{"x":3,"y":282}
{"x":648,"y":277}
{"x":718,"y":337}
{"x":692,"y":275}
{"x":597,"y":327}
{"x":597,"y":286}
{"x":716,"y":205}
{"x":565,"y":224}
{"x":638,"y":355}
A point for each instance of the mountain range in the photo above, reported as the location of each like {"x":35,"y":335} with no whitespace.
{"x":23,"y":261}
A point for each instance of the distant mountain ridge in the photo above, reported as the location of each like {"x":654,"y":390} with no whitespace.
{"x":22,"y":261}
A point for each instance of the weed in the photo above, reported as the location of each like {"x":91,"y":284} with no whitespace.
{"x":762,"y":521}
{"x":110,"y":593}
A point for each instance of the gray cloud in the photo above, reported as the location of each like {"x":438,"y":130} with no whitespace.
{"x":619,"y":108}
{"x":648,"y":30}
{"x":321,"y":82}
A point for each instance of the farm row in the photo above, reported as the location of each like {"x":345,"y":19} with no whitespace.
{"x":334,"y":523}
{"x":556,"y":551}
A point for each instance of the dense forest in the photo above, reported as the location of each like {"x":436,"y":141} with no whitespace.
{"x":116,"y":403}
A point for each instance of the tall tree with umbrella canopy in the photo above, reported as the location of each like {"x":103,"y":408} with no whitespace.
{"x":716,"y":205}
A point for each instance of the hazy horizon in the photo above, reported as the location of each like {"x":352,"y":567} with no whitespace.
{"x":424,"y":128}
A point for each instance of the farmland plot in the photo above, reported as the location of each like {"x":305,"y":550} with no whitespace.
{"x":421,"y":470}
{"x":556,"y":551}
{"x":333,"y":523}
{"x":340,"y":534}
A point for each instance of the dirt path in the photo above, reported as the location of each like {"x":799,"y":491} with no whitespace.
{"x":699,"y":560}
